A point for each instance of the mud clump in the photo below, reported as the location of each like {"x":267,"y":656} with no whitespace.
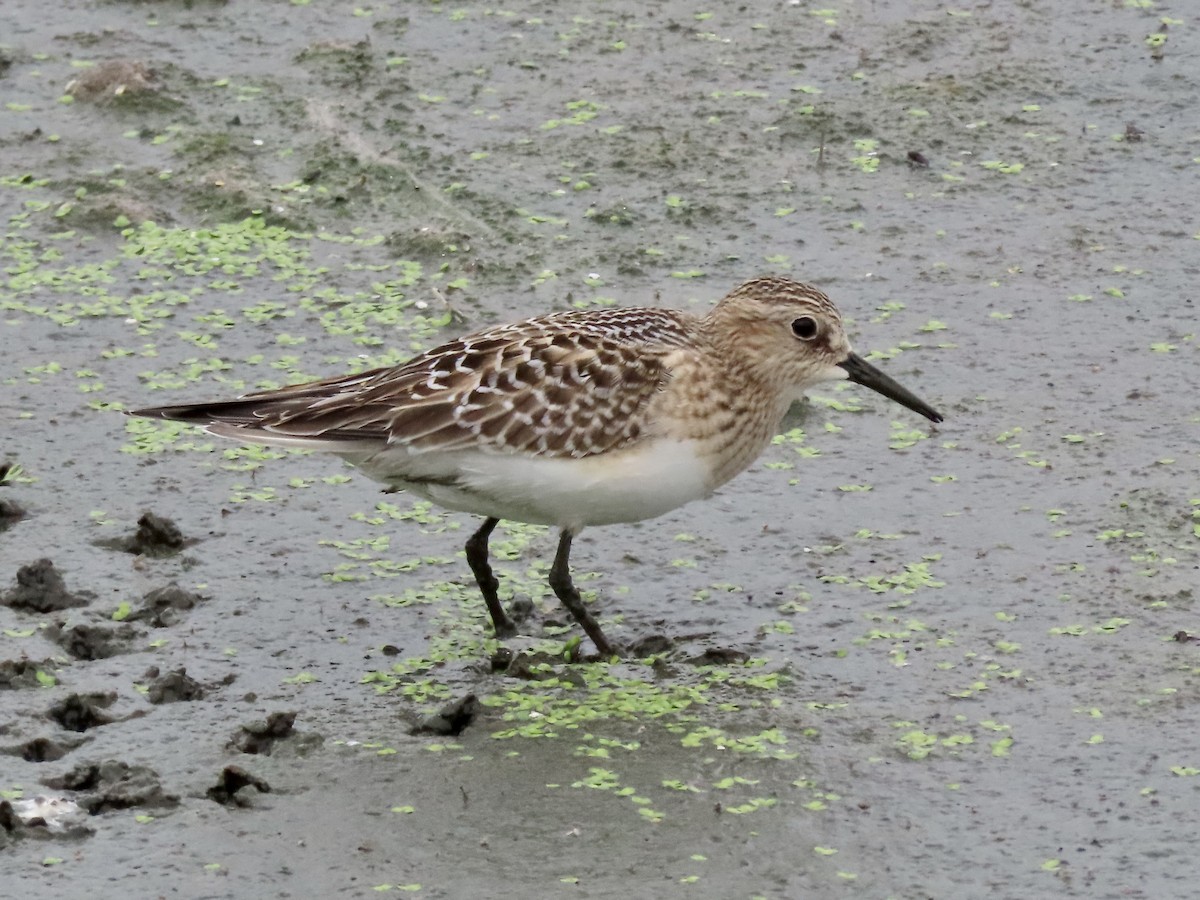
{"x":23,"y":674}
{"x":650,"y":645}
{"x":11,"y":512}
{"x":173,"y":687}
{"x":452,"y":719}
{"x":12,"y":828}
{"x":82,"y":712}
{"x":164,"y":606}
{"x":156,"y":536}
{"x":90,"y":642}
{"x":43,"y":749}
{"x":233,"y":787}
{"x":719,"y":656}
{"x":530,"y":666}
{"x":260,"y":737}
{"x":113,"y":784}
{"x":40,"y":588}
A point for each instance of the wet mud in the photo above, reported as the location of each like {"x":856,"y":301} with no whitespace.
{"x":889,"y":660}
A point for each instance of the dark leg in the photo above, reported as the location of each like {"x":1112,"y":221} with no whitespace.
{"x":477,"y":559}
{"x":560,"y":581}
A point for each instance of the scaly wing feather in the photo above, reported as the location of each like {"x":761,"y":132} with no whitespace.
{"x":563,"y":385}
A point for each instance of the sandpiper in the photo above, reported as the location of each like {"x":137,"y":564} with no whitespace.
{"x":569,"y":419}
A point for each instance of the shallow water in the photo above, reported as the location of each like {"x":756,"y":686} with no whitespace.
{"x":945,"y":662}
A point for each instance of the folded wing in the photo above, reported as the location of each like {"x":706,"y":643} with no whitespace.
{"x":570,"y":385}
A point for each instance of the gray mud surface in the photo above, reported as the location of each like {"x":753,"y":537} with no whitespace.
{"x":899,"y":661}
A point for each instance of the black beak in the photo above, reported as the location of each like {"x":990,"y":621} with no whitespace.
{"x":862,"y":372}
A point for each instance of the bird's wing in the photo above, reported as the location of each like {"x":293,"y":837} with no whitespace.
{"x":564,"y":385}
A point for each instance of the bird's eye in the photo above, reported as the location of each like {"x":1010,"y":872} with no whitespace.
{"x":804,"y":328}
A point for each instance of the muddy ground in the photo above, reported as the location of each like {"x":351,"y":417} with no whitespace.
{"x":890,"y":660}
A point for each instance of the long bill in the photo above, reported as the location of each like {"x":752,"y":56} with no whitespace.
{"x":862,"y":372}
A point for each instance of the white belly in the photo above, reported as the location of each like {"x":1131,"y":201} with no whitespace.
{"x":645,"y":481}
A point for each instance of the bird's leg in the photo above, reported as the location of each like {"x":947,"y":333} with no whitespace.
{"x":477,"y":559}
{"x":564,"y":588}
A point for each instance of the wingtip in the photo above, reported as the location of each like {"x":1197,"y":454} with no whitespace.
{"x":151,"y":412}
{"x":186,"y":413}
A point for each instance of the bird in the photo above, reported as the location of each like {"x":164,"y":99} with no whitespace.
{"x":569,"y":419}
